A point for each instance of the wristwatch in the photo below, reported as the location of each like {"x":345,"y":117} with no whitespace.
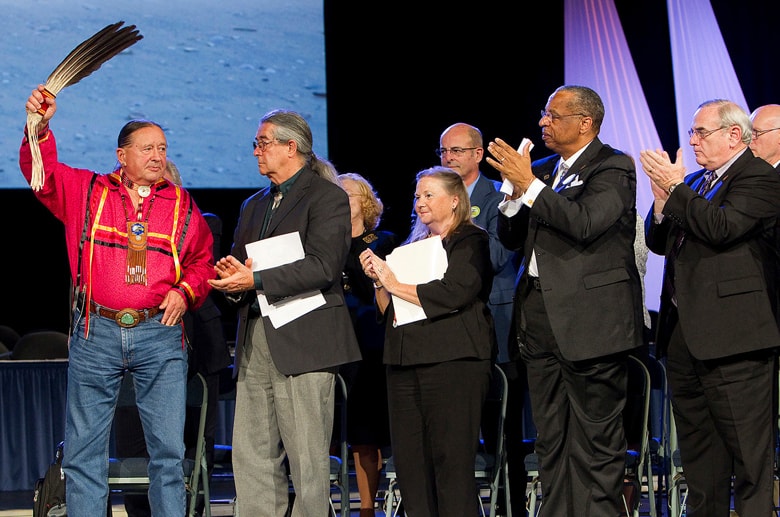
{"x":672,"y":187}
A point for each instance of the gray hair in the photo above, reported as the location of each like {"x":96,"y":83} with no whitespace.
{"x":289,"y":125}
{"x":585,"y":101}
{"x":732,"y":114}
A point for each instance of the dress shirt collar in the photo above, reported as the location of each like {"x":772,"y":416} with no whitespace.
{"x":723,"y":168}
{"x":572,"y":158}
{"x":286,"y":185}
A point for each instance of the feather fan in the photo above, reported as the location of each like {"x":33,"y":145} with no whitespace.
{"x":81,"y":62}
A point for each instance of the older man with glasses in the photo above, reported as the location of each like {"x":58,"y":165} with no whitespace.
{"x":766,"y":133}
{"x":286,"y":369}
{"x":766,"y":145}
{"x":717,"y":329}
{"x":578,"y":302}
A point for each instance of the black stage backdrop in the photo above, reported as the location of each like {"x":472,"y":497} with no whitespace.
{"x":397,"y":77}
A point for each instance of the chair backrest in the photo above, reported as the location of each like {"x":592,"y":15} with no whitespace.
{"x":341,"y":479}
{"x":8,"y":336}
{"x":41,"y":344}
{"x":495,"y":407}
{"x":636,"y":425}
{"x":490,"y":468}
{"x":636,"y":418}
{"x":490,"y":465}
{"x":636,"y":411}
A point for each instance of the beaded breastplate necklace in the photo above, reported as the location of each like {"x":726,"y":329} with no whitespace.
{"x":137,"y":231}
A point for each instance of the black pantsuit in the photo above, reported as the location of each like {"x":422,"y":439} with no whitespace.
{"x":438,"y":377}
{"x":435,"y":421}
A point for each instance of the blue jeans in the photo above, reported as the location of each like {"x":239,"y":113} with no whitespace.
{"x":154,"y":354}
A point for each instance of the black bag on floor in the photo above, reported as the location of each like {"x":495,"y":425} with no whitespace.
{"x":49,"y":495}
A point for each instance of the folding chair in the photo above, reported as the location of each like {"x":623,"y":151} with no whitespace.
{"x":659,"y":457}
{"x":639,"y":469}
{"x":339,"y":466}
{"x":677,"y":493}
{"x":491,"y":470}
{"x":131,"y":476}
{"x":533,"y":499}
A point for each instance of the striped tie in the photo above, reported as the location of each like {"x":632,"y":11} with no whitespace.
{"x":563,"y":171}
{"x":709,"y":179}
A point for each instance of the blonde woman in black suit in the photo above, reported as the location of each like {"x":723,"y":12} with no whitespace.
{"x":438,"y":369}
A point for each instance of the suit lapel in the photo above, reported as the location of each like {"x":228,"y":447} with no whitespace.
{"x":739,"y":164}
{"x":545,"y":171}
{"x":290,"y":200}
{"x":588,"y":160}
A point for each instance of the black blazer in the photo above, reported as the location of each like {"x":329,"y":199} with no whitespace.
{"x":458,"y":323}
{"x":721,"y":271}
{"x":203,"y":326}
{"x":584,"y":242}
{"x":319,"y":210}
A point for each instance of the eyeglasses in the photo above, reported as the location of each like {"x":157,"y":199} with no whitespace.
{"x":262,"y":144}
{"x":456,"y":151}
{"x":703,"y":133}
{"x":555,"y":117}
{"x":759,"y":132}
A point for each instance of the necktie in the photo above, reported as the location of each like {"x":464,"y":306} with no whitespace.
{"x":277,"y":200}
{"x":274,"y":205}
{"x":709,"y":180}
{"x":563,"y":173}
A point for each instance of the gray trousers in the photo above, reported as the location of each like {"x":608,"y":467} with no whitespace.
{"x":278,"y":417}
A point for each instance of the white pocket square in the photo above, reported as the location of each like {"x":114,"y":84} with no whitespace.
{"x":572,"y":181}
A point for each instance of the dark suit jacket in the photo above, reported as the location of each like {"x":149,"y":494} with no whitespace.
{"x":773,"y":275}
{"x":484,"y":210}
{"x":319,"y":211}
{"x":458,"y":323}
{"x":203,"y":326}
{"x":722,"y":267}
{"x":584,"y":242}
{"x":359,"y":292}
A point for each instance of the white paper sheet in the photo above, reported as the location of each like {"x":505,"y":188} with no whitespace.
{"x":507,"y":187}
{"x":416,"y":263}
{"x":277,"y":251}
